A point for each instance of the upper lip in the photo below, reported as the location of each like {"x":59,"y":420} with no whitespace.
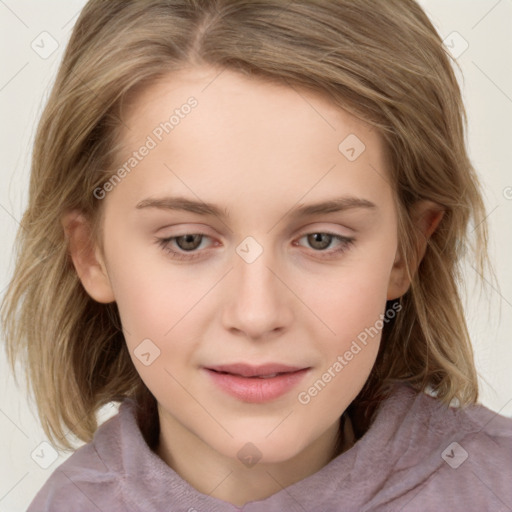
{"x":247,"y":370}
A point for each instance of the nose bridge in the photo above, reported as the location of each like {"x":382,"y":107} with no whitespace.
{"x":258,"y":300}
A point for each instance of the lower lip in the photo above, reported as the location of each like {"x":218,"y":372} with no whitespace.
{"x":254,"y":389}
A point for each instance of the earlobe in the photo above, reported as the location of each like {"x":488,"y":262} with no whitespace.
{"x":426,"y":216}
{"x":86,"y":256}
{"x":398,"y":280}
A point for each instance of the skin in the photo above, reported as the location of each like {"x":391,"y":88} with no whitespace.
{"x":257,"y":150}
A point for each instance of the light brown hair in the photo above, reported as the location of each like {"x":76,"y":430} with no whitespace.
{"x":382,"y":61}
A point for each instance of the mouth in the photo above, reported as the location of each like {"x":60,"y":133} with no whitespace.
{"x":269,"y":376}
{"x":256,"y":384}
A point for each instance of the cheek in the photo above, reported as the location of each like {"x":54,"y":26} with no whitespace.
{"x":156,"y":310}
{"x":351,"y":304}
{"x":151,"y":292}
{"x":353,"y":308}
{"x":350,"y":300}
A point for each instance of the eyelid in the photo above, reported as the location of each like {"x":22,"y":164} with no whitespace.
{"x":319,"y":227}
{"x":184,"y":228}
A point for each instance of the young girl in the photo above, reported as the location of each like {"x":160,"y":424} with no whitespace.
{"x":245,"y":226}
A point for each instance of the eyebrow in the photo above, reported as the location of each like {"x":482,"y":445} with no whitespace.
{"x":201,"y":208}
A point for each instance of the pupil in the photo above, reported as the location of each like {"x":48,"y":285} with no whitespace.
{"x":317,"y":238}
{"x":189,"y":239}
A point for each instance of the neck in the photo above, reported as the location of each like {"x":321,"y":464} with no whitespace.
{"x":225,"y":478}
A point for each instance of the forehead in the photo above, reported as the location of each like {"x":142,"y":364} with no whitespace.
{"x":236,"y":101}
{"x":247,"y":136}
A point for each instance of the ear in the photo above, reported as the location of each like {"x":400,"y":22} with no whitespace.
{"x":426,"y":216}
{"x":87,"y":258}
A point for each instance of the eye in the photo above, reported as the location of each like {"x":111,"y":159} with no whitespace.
{"x":187,"y":243}
{"x":320,"y":241}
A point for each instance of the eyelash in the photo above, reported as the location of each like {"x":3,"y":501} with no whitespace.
{"x":345,"y":244}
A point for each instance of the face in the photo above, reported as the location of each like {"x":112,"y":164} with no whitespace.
{"x":226,"y":275}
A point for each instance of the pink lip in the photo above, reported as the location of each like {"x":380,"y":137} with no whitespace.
{"x":243,"y":382}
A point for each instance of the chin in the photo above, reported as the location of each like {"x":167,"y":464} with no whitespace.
{"x":260,"y":447}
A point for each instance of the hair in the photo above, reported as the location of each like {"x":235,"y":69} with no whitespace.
{"x":381,"y":61}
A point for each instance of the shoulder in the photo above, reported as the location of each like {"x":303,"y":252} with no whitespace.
{"x":459,"y":458}
{"x":90,"y":478}
{"x":474,"y":426}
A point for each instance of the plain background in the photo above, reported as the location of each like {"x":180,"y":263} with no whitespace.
{"x":483,"y":43}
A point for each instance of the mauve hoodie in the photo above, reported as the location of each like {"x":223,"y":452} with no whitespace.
{"x":417,"y":455}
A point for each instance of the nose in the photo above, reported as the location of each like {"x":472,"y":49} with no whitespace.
{"x":258,"y":303}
